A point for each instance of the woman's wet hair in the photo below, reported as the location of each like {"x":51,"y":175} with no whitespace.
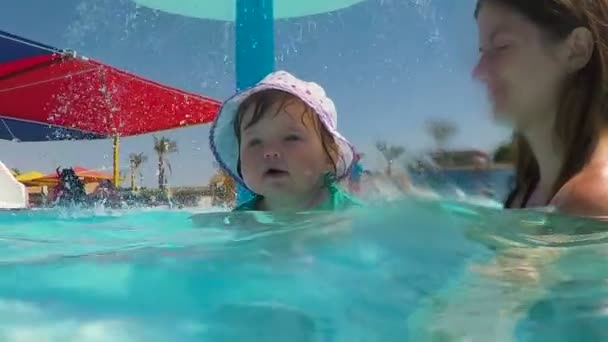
{"x":262,"y":103}
{"x":583,"y":106}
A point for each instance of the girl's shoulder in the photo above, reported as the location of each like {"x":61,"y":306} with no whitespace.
{"x":250,"y":205}
{"x":342,"y":199}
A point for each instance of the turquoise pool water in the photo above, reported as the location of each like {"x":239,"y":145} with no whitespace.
{"x":407,"y":270}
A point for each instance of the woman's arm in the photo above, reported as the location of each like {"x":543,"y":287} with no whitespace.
{"x":585,"y":195}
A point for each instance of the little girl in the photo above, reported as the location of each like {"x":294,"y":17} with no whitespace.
{"x":279,"y":139}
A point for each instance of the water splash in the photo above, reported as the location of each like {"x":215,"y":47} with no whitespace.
{"x":442,"y":268}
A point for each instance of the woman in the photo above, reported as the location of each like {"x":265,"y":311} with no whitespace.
{"x":545,"y":66}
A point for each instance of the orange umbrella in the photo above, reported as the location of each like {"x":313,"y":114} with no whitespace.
{"x":87,"y":175}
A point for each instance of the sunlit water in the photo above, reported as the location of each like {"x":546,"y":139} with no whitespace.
{"x":408,"y":270}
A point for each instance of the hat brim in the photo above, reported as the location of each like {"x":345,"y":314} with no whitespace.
{"x":225,"y":147}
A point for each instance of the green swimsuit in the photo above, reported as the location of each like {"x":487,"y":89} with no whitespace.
{"x":338,"y":199}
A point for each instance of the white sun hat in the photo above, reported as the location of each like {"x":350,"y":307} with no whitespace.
{"x":223,"y":140}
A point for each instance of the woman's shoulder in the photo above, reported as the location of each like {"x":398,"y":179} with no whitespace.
{"x":586,"y":194}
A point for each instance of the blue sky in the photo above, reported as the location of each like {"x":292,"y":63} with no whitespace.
{"x":390,"y":65}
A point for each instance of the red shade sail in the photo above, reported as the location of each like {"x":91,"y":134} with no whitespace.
{"x":50,"y":94}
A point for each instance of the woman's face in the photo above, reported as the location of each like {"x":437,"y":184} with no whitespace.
{"x":520,"y":65}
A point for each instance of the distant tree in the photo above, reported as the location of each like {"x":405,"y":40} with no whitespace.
{"x":16,"y":171}
{"x":441,"y":131}
{"x":163,"y":147}
{"x":504,"y":153}
{"x":135,"y":161}
{"x":390,"y":154}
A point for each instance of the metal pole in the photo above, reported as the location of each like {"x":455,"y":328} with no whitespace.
{"x":116,"y":147}
{"x":254,"y":51}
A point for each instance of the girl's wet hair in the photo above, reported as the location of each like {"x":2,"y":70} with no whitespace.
{"x":263,"y":101}
{"x":583,"y":107}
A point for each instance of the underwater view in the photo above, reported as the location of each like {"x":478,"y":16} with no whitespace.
{"x":129,"y":211}
{"x":407,"y":270}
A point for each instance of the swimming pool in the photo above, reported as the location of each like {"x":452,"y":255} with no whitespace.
{"x":408,"y":270}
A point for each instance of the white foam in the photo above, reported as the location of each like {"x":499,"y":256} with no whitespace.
{"x":27,"y":322}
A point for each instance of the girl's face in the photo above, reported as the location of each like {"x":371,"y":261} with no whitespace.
{"x":282,"y":154}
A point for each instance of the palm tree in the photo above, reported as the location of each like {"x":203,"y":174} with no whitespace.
{"x":390,"y":153}
{"x":163,"y":147}
{"x":504,"y":153}
{"x":135,"y":161}
{"x":441,"y":131}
